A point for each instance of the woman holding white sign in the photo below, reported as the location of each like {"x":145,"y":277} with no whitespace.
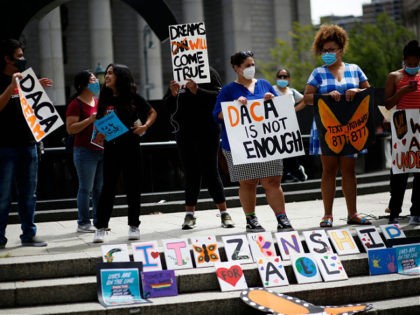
{"x":245,"y":88}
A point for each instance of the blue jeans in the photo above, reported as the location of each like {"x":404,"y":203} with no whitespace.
{"x":18,"y":166}
{"x":89,"y":167}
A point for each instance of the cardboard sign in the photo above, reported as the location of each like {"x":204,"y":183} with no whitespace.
{"x":39,"y":112}
{"x":189,"y":52}
{"x":330,"y":267}
{"x":272,"y":272}
{"x":262,"y":245}
{"x":392,"y":231}
{"x":111,"y":126}
{"x":177,"y":254}
{"x":206,"y":251}
{"x":288,"y":242}
{"x":408,"y":259}
{"x":115,"y":253}
{"x":343,"y":242}
{"x":230,"y":276}
{"x":119,"y":283}
{"x":262,"y":130}
{"x":159,"y":283}
{"x":369,"y":237}
{"x":237,"y":249}
{"x":382,"y":261}
{"x":405,"y":129}
{"x":148,"y":254}
{"x":305,"y":268}
{"x":345,"y":127}
{"x":317,"y":242}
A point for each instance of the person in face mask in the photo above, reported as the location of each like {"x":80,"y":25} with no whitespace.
{"x":402,"y":89}
{"x":293,"y":170}
{"x":87,"y":157}
{"x":336,"y":79}
{"x":244,"y":89}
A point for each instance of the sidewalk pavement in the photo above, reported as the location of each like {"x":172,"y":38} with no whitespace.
{"x":62,"y":237}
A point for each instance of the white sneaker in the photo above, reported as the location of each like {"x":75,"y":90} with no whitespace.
{"x":86,"y":228}
{"x":99,"y":236}
{"x":414,"y":220}
{"x":133,"y":233}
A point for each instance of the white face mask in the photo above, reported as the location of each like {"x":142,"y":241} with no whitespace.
{"x":249,"y":73}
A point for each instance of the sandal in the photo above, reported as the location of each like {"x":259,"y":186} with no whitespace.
{"x":358,"y":220}
{"x":326,"y":222}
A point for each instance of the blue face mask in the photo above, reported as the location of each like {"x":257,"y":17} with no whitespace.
{"x":94,"y":87}
{"x":282,"y":83}
{"x":412,"y":70}
{"x":329,"y":58}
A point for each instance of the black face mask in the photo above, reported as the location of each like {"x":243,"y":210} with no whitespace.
{"x":20,"y":64}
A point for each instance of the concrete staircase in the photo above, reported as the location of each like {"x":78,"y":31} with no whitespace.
{"x":66,"y":284}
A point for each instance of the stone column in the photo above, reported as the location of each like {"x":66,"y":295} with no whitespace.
{"x":100,"y":24}
{"x":151,"y":78}
{"x":51,"y":55}
{"x":192,"y":11}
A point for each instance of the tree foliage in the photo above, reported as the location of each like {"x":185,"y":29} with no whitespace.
{"x":376,"y":48}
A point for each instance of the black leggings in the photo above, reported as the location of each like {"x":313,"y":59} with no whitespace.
{"x":120,"y":158}
{"x":199,"y":159}
{"x":398,"y":183}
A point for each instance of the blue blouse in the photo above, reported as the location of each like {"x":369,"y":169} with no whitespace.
{"x":232,"y":92}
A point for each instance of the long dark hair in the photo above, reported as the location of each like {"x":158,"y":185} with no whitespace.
{"x":125,"y":86}
{"x":80,"y":82}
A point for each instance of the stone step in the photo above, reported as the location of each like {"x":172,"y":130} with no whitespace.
{"x":18,"y":297}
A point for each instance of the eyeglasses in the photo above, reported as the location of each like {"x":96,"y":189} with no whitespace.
{"x":329,"y":50}
{"x":282,"y":76}
{"x":247,"y":53}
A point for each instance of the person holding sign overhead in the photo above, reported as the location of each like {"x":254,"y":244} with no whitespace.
{"x":18,"y":151}
{"x":122,"y":154}
{"x":402,"y":88}
{"x":244,"y":89}
{"x":197,"y":137}
{"x":87,"y":157}
{"x":336,"y":79}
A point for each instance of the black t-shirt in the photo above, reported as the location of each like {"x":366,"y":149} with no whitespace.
{"x":14,"y":130}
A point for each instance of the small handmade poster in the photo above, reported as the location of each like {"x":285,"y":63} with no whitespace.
{"x":369,"y":237}
{"x":343,"y":242}
{"x":331,"y":267}
{"x":270,"y":302}
{"x":237,"y":249}
{"x":305,"y":268}
{"x":119,"y":283}
{"x":148,"y":254}
{"x":261,"y":245}
{"x":230,"y":276}
{"x":97,"y":138}
{"x":408,"y":259}
{"x":159,"y":283}
{"x":272,"y":272}
{"x":177,"y":254}
{"x":392,"y":231}
{"x":317,"y":242}
{"x":115,"y":253}
{"x":288,"y":242}
{"x":206,"y":251}
{"x":110,"y":126}
{"x":382,"y":261}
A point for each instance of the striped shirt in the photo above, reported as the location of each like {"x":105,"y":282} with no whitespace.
{"x":411,"y":99}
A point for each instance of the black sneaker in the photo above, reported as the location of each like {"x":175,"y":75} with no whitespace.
{"x":227,"y":221}
{"x":252,"y":225}
{"x":300,"y":174}
{"x":189,"y":222}
{"x":289,"y":178}
{"x":392,"y":220}
{"x":283,"y":224}
{"x":34,"y":242}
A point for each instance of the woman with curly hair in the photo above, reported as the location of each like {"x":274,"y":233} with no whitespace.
{"x":336,"y":79}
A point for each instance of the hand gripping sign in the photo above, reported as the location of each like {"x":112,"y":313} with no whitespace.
{"x":39,"y":112}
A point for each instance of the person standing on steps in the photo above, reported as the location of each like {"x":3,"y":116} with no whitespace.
{"x":198,"y":140}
